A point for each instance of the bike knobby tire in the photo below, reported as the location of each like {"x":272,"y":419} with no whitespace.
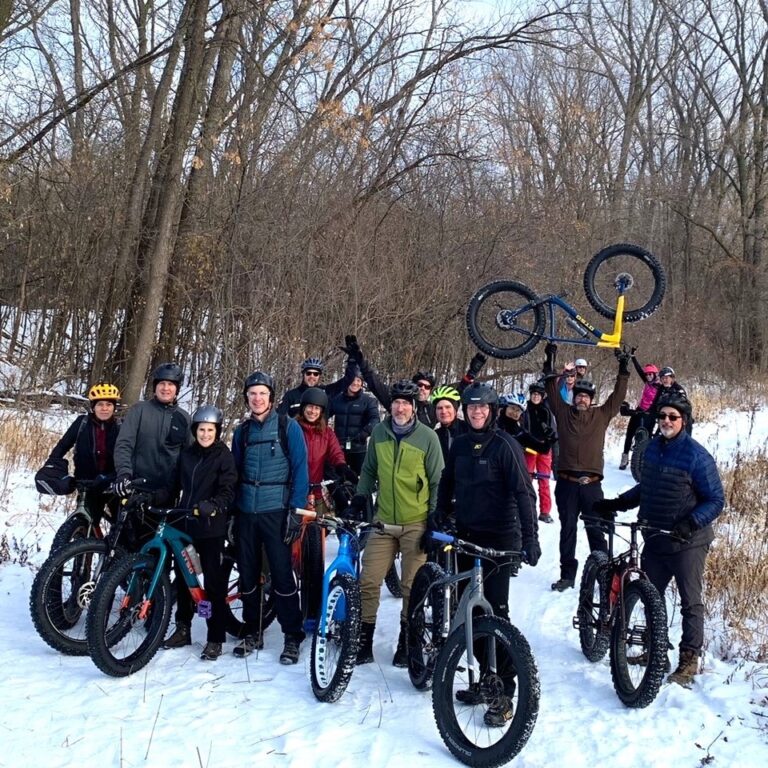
{"x":75,"y":527}
{"x":638,"y":454}
{"x":62,"y":593}
{"x":334,"y":655}
{"x":124,"y":628}
{"x":639,"y":645}
{"x":425,"y":621}
{"x":594,"y":631}
{"x":505,"y":319}
{"x":462,"y":726}
{"x":647,"y":274}
{"x":392,"y":579}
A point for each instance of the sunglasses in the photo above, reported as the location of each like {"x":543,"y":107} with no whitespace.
{"x":570,"y":375}
{"x":673,"y":417}
{"x":423,"y":385}
{"x":311,"y":373}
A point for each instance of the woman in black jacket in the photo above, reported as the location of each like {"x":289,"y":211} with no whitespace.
{"x":205,"y":482}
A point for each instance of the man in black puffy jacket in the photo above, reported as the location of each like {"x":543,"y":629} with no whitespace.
{"x":311,"y":373}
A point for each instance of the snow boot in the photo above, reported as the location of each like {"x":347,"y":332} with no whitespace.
{"x":181,"y":637}
{"x":365,"y":645}
{"x":562,"y":584}
{"x":211,"y":652}
{"x":401,"y":653}
{"x":290,"y":654}
{"x":624,"y":463}
{"x":686,"y":670}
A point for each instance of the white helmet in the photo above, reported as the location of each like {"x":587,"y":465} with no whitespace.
{"x":581,"y":363}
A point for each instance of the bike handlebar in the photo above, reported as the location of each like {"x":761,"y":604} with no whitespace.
{"x":468,"y":546}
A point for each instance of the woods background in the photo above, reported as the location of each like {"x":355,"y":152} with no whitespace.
{"x":237,"y":184}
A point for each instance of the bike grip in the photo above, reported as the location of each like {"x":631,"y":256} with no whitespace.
{"x":306,"y":512}
{"x":440,"y":536}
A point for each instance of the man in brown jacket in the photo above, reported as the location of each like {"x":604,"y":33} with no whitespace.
{"x":581,"y":429}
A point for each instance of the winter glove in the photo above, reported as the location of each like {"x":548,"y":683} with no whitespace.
{"x":625,"y":409}
{"x":606,"y":509}
{"x":206,"y":509}
{"x":347,"y":473}
{"x":352,"y":348}
{"x":550,"y":352}
{"x":475,"y":365}
{"x":358,"y":507}
{"x":623,"y":357}
{"x":531,"y":550}
{"x":685,"y":528}
{"x":548,"y":433}
{"x":122,"y":486}
{"x":292,"y":530}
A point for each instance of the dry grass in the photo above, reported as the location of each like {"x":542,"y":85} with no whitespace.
{"x":24,"y":440}
{"x":736,"y":577}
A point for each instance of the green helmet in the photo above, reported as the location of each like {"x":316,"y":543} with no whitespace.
{"x":445,"y":392}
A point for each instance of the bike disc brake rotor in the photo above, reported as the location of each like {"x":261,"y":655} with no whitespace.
{"x":623,"y":282}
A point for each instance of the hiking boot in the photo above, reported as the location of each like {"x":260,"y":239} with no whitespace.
{"x":211,"y":652}
{"x":642,"y":661}
{"x":545,"y":517}
{"x":624,"y":463}
{"x":181,"y":637}
{"x":686,"y":670}
{"x":562,"y":584}
{"x":499,"y":713}
{"x":401,"y":653}
{"x":471,"y":696}
{"x":365,"y":644}
{"x":248,"y":645}
{"x":290,"y":654}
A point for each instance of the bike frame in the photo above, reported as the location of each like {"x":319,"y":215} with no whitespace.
{"x":610,"y":340}
{"x":347,"y":560}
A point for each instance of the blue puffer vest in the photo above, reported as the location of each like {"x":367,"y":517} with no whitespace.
{"x":265,"y":471}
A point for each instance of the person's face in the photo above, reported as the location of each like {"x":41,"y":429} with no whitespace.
{"x":582,"y":401}
{"x":258,"y":400}
{"x":670,"y":422}
{"x":570,"y":379}
{"x":667,"y":380}
{"x":650,"y":376}
{"x":104,"y":410}
{"x":581,"y":371}
{"x":312,"y":413}
{"x":536,"y":398}
{"x":445,"y":413}
{"x":514,"y":412}
{"x":311,"y":377}
{"x":355,"y":386}
{"x":206,"y":434}
{"x":478,"y":414}
{"x":402,"y":411}
{"x":165,"y":391}
{"x":425,"y":388}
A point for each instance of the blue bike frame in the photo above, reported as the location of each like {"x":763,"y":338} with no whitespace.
{"x":347,"y":560}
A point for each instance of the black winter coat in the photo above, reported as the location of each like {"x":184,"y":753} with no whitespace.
{"x":83,"y":440}
{"x":291,"y":401}
{"x":206,"y":474}
{"x":354,"y":416}
{"x":516,"y":430}
{"x":447,"y":436}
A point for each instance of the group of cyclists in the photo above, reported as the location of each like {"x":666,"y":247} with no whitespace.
{"x":425,"y":466}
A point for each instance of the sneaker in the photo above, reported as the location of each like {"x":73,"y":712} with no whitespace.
{"x":624,"y":461}
{"x":248,"y":645}
{"x":471,"y":696}
{"x":290,"y":654}
{"x":181,"y":637}
{"x":211,"y":652}
{"x":545,"y":517}
{"x":499,"y":713}
{"x":562,"y":584}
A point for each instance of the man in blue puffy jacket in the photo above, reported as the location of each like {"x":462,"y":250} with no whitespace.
{"x":679,"y":491}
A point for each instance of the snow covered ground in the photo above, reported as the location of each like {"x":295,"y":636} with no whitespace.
{"x":180,"y":711}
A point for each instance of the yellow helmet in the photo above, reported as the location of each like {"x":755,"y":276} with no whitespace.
{"x":103,"y":392}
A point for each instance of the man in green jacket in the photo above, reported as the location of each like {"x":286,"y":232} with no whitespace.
{"x":403,"y":464}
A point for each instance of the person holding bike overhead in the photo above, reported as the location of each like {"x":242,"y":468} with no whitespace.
{"x":206,"y":477}
{"x":271,"y":459}
{"x":311,"y":373}
{"x":644,"y":413}
{"x":679,"y":491}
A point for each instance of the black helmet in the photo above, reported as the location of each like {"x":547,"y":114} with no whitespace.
{"x":168,"y":372}
{"x":259,"y":377}
{"x":422,"y":376}
{"x":312,"y":364}
{"x":208,"y":414}
{"x":667,"y":371}
{"x":537,"y":386}
{"x":584,"y":386}
{"x":479,"y":393}
{"x":403,"y":390}
{"x":678,"y":401}
{"x":315,"y":396}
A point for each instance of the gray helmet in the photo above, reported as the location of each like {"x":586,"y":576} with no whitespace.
{"x":314,"y":396}
{"x":259,"y":377}
{"x":479,"y":393}
{"x":585,"y":387}
{"x":667,"y":371}
{"x":404,"y":390}
{"x":312,"y":364}
{"x":168,"y":372}
{"x":208,"y":414}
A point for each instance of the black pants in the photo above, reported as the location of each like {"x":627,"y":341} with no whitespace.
{"x":573,"y":499}
{"x":687,"y":569}
{"x":355,"y":460}
{"x":211,"y":553}
{"x":255,"y":531}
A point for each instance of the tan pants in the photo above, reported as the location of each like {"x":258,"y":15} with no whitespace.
{"x":378,"y":556}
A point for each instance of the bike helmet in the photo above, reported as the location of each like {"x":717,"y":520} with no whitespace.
{"x":312,"y":364}
{"x":207,"y":414}
{"x":650,"y":368}
{"x":404,"y":390}
{"x":676,"y":400}
{"x":667,"y":371}
{"x":584,"y":386}
{"x":314,"y":396}
{"x":259,"y":377}
{"x":478,"y":393}
{"x":537,"y":386}
{"x":444,"y":392}
{"x":581,"y":363}
{"x":422,"y":376}
{"x":104,"y":391}
{"x":167,"y":372}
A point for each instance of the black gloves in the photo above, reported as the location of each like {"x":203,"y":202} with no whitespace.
{"x":548,"y":434}
{"x":531,"y":550}
{"x":606,"y":508}
{"x":292,"y":526}
{"x":122,"y":487}
{"x":625,"y":409}
{"x":623,"y":357}
{"x":352,"y":348}
{"x":206,"y":508}
{"x":347,"y":473}
{"x":476,"y":364}
{"x":685,"y":528}
{"x":358,"y":507}
{"x":550,"y":352}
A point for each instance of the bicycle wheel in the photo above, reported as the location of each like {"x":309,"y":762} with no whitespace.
{"x":125,"y":628}
{"x":62,"y":591}
{"x":392,"y":579}
{"x":312,"y":569}
{"x":425,"y":621}
{"x":639,"y":271}
{"x":639,"y":445}
{"x":639,"y":645}
{"x":234,"y":607}
{"x":333,"y":656}
{"x":511,"y":688}
{"x":505,"y":320}
{"x":592,"y":613}
{"x":76,"y":526}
